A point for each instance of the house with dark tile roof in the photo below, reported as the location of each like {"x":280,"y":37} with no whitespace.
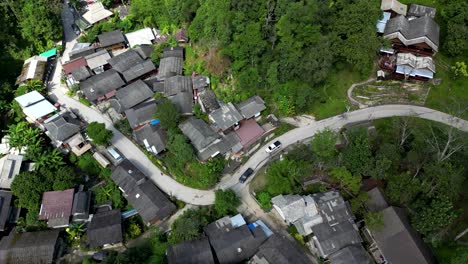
{"x":81,"y":50}
{"x":191,"y":252}
{"x":171,"y":63}
{"x":150,"y":202}
{"x":396,"y":241}
{"x":354,"y":254}
{"x":125,"y":60}
{"x":69,"y":66}
{"x":145,"y":51}
{"x":200,"y":82}
{"x":203,"y":138}
{"x":226,"y":117}
{"x":10,"y":166}
{"x":178,"y":84}
{"x":105,"y":228}
{"x":208,"y":101}
{"x":279,"y":250}
{"x":102,"y":86}
{"x":56,"y":208}
{"x":419,"y":34}
{"x":30,"y":247}
{"x":6,"y":208}
{"x":328,"y":239}
{"x":139,"y":70}
{"x":62,"y":126}
{"x":141,"y":114}
{"x":112,"y":40}
{"x":81,"y":73}
{"x":152,"y":137}
{"x":130,"y":96}
{"x":251,"y":107}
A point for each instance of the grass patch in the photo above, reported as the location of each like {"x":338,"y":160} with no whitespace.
{"x":259,"y":181}
{"x":283,"y":128}
{"x":84,"y":101}
{"x":444,"y":97}
{"x":333,"y":99}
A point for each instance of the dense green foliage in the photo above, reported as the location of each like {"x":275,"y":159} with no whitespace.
{"x":168,"y":114}
{"x":189,"y":226}
{"x":98,"y":133}
{"x":226,"y":202}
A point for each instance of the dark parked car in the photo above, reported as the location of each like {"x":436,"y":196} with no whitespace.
{"x":245,"y":175}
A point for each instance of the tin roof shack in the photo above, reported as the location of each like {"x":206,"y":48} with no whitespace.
{"x":71,"y":65}
{"x":77,"y":144}
{"x":171,"y":63}
{"x":394,"y":7}
{"x":33,"y":69}
{"x":142,"y":194}
{"x":112,"y":40}
{"x":225,"y":118}
{"x":98,"y":61}
{"x":411,"y":66}
{"x":35,"y":106}
{"x":143,"y":36}
{"x":208,"y":101}
{"x":96,"y":12}
{"x":182,"y":36}
{"x":81,"y":204}
{"x":56,"y":208}
{"x":416,"y":11}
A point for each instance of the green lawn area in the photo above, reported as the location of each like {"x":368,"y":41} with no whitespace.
{"x":446,"y":253}
{"x":445,"y":96}
{"x":333,"y":94}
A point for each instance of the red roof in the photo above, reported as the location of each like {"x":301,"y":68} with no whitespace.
{"x":56,"y":204}
{"x":76,"y":63}
{"x":249,"y":132}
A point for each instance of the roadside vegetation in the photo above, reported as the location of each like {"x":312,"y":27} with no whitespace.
{"x":419,"y":164}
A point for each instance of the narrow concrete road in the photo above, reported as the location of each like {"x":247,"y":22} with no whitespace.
{"x":257,"y":160}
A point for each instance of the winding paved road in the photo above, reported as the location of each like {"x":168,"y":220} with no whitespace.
{"x":257,"y":160}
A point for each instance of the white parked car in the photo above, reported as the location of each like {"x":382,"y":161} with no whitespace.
{"x":276,"y":145}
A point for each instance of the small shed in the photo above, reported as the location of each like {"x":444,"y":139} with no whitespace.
{"x":101,"y":159}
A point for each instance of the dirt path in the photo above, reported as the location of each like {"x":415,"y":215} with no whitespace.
{"x":349,"y":93}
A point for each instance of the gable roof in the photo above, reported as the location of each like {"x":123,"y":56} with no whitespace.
{"x":209,"y":101}
{"x":376,"y":201}
{"x":249,"y":132}
{"x":199,"y":133}
{"x":354,"y":254}
{"x":105,"y":228}
{"x":62,"y":126}
{"x":125,"y":60}
{"x":415,"y":62}
{"x":237,"y":245}
{"x":5,"y":206}
{"x":332,"y":207}
{"x":33,"y":69}
{"x":138,"y":70}
{"x":35,"y":105}
{"x":183,"y":102}
{"x":395,"y":6}
{"x":81,"y":73}
{"x":252,"y":106}
{"x":29,"y":247}
{"x":81,"y":50}
{"x":170,"y":66}
{"x":96,"y":12}
{"x":331,"y":238}
{"x":144,"y":51}
{"x":68,"y":67}
{"x":131,"y":95}
{"x":143,"y":195}
{"x":291,"y":206}
{"x":143,"y":36}
{"x":421,"y":10}
{"x":111,"y":38}
{"x":97,"y":59}
{"x":173,"y":52}
{"x":200,"y":82}
{"x":81,"y":203}
{"x":191,"y":252}
{"x":101,"y":84}
{"x":56,"y":207}
{"x":152,"y":137}
{"x":181,"y":35}
{"x":410,"y":32}
{"x":10,"y":166}
{"x":225,"y":117}
{"x":141,"y":114}
{"x":177,"y":84}
{"x":279,"y":250}
{"x":397,"y":240}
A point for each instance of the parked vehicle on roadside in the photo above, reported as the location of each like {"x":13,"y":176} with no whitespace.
{"x":274,"y":146}
{"x":246,"y":175}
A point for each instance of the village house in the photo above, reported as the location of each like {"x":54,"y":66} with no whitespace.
{"x":144,"y":36}
{"x":225,"y":118}
{"x":150,"y":202}
{"x":179,"y":90}
{"x":141,"y":114}
{"x":278,"y":250}
{"x":182,"y":36}
{"x":81,"y":50}
{"x":7,"y":211}
{"x":35,"y":106}
{"x":393,"y":7}
{"x":208,"y":101}
{"x":96,"y":13}
{"x":130,"y":96}
{"x":396,"y":241}
{"x":10,"y":166}
{"x":112,"y":40}
{"x":171,"y":63}
{"x":98,"y":61}
{"x":191,"y":252}
{"x":105,"y":228}
{"x":416,"y":11}
{"x":56,"y":208}
{"x":409,"y":65}
{"x":34,"y":68}
{"x":62,"y":126}
{"x":102,"y":86}
{"x":81,"y":204}
{"x":203,"y":138}
{"x":152,"y":137}
{"x":31,"y":247}
{"x":353,"y":254}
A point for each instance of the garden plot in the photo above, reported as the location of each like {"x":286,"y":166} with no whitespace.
{"x":391,"y":92}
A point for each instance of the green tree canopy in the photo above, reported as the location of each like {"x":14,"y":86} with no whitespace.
{"x":323,"y":144}
{"x":99,"y":134}
{"x":346,"y":178}
{"x":189,"y":226}
{"x":28,"y":186}
{"x":226,"y":202}
{"x":168,"y":114}
{"x":357,"y":156}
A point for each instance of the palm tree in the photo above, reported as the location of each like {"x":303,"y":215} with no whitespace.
{"x":75,"y":231}
{"x":35,"y":85}
{"x":52,"y":160}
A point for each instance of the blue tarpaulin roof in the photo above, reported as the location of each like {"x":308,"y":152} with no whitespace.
{"x":155,"y":122}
